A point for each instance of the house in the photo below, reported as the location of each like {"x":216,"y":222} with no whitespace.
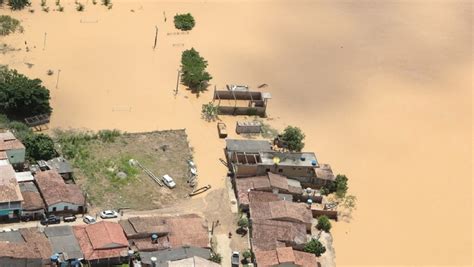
{"x":10,"y":195}
{"x":25,"y":247}
{"x":64,"y":242}
{"x":167,"y":256}
{"x":270,"y":234}
{"x":102,"y":243}
{"x":32,"y":205}
{"x":61,"y":166}
{"x":158,"y":233}
{"x":271,"y":182}
{"x":11,"y":148}
{"x":193,"y":262}
{"x":57,"y":195}
{"x":248,"y":158}
{"x":240,"y":102}
{"x":285,"y":256}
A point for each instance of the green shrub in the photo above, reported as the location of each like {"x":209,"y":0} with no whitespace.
{"x":108,"y":136}
{"x":184,"y":22}
{"x":324,"y":224}
{"x":209,"y":111}
{"x":216,"y":257}
{"x":315,"y":247}
{"x":293,"y":137}
{"x":8,"y":25}
{"x":18,"y":4}
{"x":338,"y":186}
{"x":243,"y":222}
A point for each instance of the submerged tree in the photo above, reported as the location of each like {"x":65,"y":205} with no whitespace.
{"x":209,"y":111}
{"x":22,"y":97}
{"x":9,"y":25}
{"x":184,"y":22}
{"x":293,"y":138}
{"x":193,"y":70}
{"x":18,"y":4}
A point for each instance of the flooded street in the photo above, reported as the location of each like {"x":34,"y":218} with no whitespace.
{"x":383,"y":92}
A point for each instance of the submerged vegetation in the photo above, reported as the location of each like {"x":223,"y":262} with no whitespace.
{"x":209,"y":112}
{"x":9,"y":25}
{"x":193,"y":70}
{"x":18,"y":4}
{"x":21,"y":97}
{"x":184,"y":22}
{"x":293,"y":138}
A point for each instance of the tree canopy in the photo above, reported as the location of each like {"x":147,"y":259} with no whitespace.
{"x":22,"y":97}
{"x":338,"y":186}
{"x":315,"y":247}
{"x":9,"y":25}
{"x":193,"y":70}
{"x":243,"y":222}
{"x":184,"y":22}
{"x":293,"y":138}
{"x":18,"y":4}
{"x":324,"y":224}
{"x":39,"y":147}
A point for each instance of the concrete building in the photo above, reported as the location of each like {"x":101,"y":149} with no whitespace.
{"x":11,"y":148}
{"x":61,"y":166}
{"x":10,"y":194}
{"x":241,"y":102}
{"x":285,"y":257}
{"x":174,"y":256}
{"x":59,"y":196}
{"x":248,"y":158}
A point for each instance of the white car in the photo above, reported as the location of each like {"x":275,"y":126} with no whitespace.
{"x":89,"y":219}
{"x":168,"y":181}
{"x":108,"y":214}
{"x":192,"y":167}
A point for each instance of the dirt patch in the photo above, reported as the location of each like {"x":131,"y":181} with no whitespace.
{"x":164,"y":152}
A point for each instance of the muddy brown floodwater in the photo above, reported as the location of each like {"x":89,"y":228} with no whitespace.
{"x":381,"y":89}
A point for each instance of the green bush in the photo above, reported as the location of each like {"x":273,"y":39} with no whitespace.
{"x":39,"y":147}
{"x":338,"y":186}
{"x":324,"y":224}
{"x":22,"y":97}
{"x":193,"y":70}
{"x":18,"y":4}
{"x":243,"y":222}
{"x":315,"y":247}
{"x":108,"y":136}
{"x":209,"y":111}
{"x":216,"y":257}
{"x":293,"y":137}
{"x":9,"y":25}
{"x":184,"y":22}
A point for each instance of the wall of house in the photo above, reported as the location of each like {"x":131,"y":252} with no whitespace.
{"x":16,"y":156}
{"x":257,"y":111}
{"x":61,"y":207}
{"x":242,"y":170}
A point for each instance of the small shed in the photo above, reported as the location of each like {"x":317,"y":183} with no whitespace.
{"x":248,"y":127}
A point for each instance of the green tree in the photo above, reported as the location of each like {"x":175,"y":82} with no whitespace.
{"x":315,"y":247}
{"x":293,"y":137}
{"x":9,"y":25}
{"x":324,"y":224}
{"x":243,"y":223}
{"x":39,"y":147}
{"x":184,"y":22}
{"x":247,"y":254}
{"x":18,"y":4}
{"x":338,"y":186}
{"x":193,"y":70}
{"x":22,"y":97}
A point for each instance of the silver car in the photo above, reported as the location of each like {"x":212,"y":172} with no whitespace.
{"x":89,"y":219}
{"x":108,"y":214}
{"x":168,"y":181}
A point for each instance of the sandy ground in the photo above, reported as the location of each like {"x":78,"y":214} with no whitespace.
{"x":381,"y":89}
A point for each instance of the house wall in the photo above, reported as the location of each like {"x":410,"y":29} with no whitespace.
{"x":258,"y":111}
{"x":242,"y":170}
{"x":16,"y":156}
{"x":61,"y":207}
{"x":7,"y":208}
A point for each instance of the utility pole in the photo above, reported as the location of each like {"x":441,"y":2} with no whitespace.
{"x":57,"y":81}
{"x":177,"y":82}
{"x":156,"y":37}
{"x":44,"y":41}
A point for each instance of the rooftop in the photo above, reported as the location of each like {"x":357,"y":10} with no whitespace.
{"x":25,"y":243}
{"x":303,"y":159}
{"x":60,"y":164}
{"x":101,"y":240}
{"x":281,"y":211}
{"x":271,"y":234}
{"x":24,"y":177}
{"x":8,"y":142}
{"x":54,"y":190}
{"x":325,"y":172}
{"x":285,"y":255}
{"x":236,"y":145}
{"x":194,"y":261}
{"x":62,"y":239}
{"x":9,"y":189}
{"x":168,"y":255}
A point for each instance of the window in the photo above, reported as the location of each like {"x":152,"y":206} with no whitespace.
{"x":66,"y":207}
{"x":54,"y":209}
{"x":280,"y":170}
{"x":267,"y":170}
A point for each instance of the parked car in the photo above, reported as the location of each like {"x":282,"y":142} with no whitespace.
{"x":108,"y":214}
{"x":89,"y":219}
{"x":69,"y":218}
{"x":235,"y":259}
{"x":168,"y":181}
{"x":51,"y":219}
{"x":192,"y":167}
